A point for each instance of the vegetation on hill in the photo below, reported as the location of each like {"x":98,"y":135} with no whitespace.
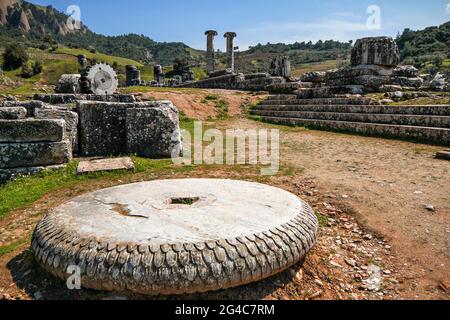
{"x":428,"y":49}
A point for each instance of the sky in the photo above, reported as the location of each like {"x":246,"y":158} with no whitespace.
{"x":256,"y":21}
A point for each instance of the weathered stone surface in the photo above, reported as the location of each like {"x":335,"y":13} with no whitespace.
{"x":72,"y":98}
{"x":13,"y":113}
{"x":377,"y":50}
{"x":176,"y":236}
{"x":68,"y":83}
{"x":103,"y":126}
{"x":31,"y":106}
{"x":154,"y":132}
{"x":314,"y":76}
{"x":32,"y":130}
{"x":133,"y":76}
{"x":406,"y":71}
{"x":210,"y":53}
{"x":105,"y":165}
{"x":439,"y":82}
{"x":372,"y":77}
{"x":16,"y":155}
{"x":71,"y":122}
{"x":281,"y":67}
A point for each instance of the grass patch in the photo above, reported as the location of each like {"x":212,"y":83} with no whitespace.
{"x":12,"y":246}
{"x":323,"y":220}
{"x":99,"y":57}
{"x":223,"y":108}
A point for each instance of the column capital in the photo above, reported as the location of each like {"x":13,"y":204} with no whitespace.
{"x":230,"y":35}
{"x":211,"y":33}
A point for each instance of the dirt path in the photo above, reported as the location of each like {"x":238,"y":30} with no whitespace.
{"x":387,"y":184}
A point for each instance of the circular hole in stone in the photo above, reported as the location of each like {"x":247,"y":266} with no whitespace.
{"x":185,"y":201}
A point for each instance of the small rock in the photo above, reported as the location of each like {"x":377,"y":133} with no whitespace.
{"x":430,"y":207}
{"x":316,"y":295}
{"x":351,"y":262}
{"x":318,"y":282}
{"x":387,"y":272}
{"x":344,"y":196}
{"x":368,"y":237}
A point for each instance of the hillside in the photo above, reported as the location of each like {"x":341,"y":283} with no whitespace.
{"x":428,"y":49}
{"x":43,"y":27}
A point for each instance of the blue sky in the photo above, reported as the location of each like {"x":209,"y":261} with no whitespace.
{"x":255,"y":21}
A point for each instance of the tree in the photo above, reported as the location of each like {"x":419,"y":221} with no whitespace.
{"x":14,"y":57}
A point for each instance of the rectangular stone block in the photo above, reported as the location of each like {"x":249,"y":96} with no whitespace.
{"x":31,"y":130}
{"x":154,"y":132}
{"x":31,"y":106}
{"x":71,"y":122}
{"x":16,"y":155}
{"x":102,"y":128}
{"x":105,"y":165}
{"x":13,"y":113}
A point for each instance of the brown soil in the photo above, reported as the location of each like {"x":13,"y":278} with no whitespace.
{"x":370,"y":193}
{"x":193,"y":104}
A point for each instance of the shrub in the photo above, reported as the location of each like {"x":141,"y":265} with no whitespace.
{"x":37,"y":67}
{"x":14,"y":56}
{"x":26,"y":72}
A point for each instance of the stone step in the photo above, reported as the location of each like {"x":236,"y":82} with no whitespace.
{"x":439,"y":136}
{"x":320,"y":101}
{"x":437,"y":110}
{"x":394,"y":119}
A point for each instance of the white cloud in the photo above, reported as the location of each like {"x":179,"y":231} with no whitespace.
{"x":448,"y":8}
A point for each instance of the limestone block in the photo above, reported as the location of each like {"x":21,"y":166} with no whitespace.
{"x":68,"y":83}
{"x":16,"y":155}
{"x":314,"y":76}
{"x":13,"y":113}
{"x":154,"y":132}
{"x":71,"y":121}
{"x":32,"y":130}
{"x":31,"y":106}
{"x":376,"y":50}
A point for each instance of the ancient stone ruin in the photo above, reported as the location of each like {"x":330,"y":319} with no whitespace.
{"x":281,"y":67}
{"x":99,"y":79}
{"x":210,"y":53}
{"x":334,"y":100}
{"x":230,"y":48}
{"x":176,"y":236}
{"x":158,"y":75}
{"x":37,"y":135}
{"x":133,"y":76}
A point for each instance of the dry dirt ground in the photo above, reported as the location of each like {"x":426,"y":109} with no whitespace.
{"x":377,"y":240}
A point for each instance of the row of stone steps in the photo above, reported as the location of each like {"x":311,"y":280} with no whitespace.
{"x":435,"y":110}
{"x":293,"y":100}
{"x":396,"y":119}
{"x":423,"y":123}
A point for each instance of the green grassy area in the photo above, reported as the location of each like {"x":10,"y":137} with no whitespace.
{"x":99,"y":57}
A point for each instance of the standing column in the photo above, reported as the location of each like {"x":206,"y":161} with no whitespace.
{"x":210,"y":54}
{"x":230,"y":48}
